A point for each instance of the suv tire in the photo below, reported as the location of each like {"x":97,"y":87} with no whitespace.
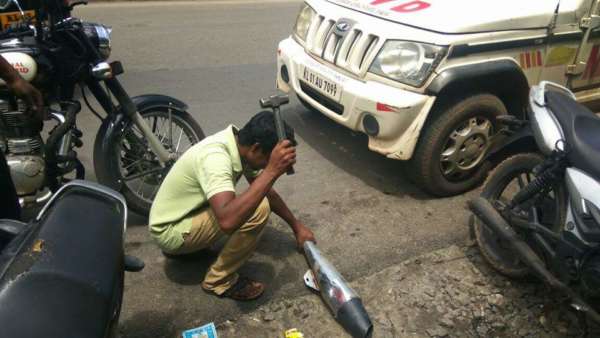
{"x":449,"y":158}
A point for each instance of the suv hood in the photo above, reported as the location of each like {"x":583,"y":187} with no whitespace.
{"x":459,"y":16}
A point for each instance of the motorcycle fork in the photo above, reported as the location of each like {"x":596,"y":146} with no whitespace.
{"x":130,"y":110}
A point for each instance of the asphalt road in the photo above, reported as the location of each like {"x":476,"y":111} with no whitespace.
{"x":220,"y":59}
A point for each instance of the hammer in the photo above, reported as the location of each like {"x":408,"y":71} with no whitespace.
{"x":274,"y":102}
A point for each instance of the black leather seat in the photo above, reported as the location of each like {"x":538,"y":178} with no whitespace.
{"x":9,"y":229}
{"x":71,"y":286}
{"x":581,"y":128}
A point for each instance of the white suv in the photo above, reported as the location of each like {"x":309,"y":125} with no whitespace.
{"x":425,"y":79}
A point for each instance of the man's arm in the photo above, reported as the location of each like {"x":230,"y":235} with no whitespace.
{"x":7,"y":72}
{"x":301,"y":231}
{"x":281,"y":209}
{"x":232,"y":211}
{"x":20,"y":87}
{"x":278,"y":206}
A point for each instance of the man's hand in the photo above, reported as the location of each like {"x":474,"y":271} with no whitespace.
{"x":21,"y":88}
{"x":27,"y":92}
{"x":303,"y":234}
{"x":282,"y":157}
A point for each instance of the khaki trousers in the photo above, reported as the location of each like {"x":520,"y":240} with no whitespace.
{"x":205,"y":231}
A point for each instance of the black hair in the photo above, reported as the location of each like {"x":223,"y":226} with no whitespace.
{"x":261,"y":129}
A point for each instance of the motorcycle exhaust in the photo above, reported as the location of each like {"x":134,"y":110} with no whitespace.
{"x":344,"y":303}
{"x":484,"y":210}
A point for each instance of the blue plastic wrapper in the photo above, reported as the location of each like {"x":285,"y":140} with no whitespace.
{"x":206,"y":331}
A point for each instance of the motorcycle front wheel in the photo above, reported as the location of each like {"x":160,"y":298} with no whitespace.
{"x":134,"y":164}
{"x":505,"y":181}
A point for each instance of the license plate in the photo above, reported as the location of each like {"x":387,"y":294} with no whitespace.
{"x":7,"y":19}
{"x":322,"y":84}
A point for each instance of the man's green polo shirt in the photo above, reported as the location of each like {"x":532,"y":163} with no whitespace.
{"x":207,"y":168}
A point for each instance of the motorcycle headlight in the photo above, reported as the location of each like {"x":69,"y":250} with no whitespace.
{"x":305,"y":17}
{"x":100,"y":36}
{"x":407,"y":62}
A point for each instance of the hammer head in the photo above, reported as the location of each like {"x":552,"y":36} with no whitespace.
{"x":274,"y":101}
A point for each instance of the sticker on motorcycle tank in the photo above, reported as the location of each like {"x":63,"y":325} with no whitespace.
{"x":560,"y":56}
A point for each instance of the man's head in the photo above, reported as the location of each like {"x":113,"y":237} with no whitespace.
{"x":258,"y":138}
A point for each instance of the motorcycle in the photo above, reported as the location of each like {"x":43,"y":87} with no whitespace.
{"x":139,"y":139}
{"x":61,"y":275}
{"x":539,"y":210}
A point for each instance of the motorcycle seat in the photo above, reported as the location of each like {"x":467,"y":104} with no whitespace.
{"x":65,"y":277}
{"x":581,"y":128}
{"x":9,"y":229}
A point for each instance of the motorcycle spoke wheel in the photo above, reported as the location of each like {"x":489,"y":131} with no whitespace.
{"x":140,"y":169}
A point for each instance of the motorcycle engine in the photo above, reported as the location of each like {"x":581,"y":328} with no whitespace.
{"x":22,"y":145}
{"x":590,"y":275}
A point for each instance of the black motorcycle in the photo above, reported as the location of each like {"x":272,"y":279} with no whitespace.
{"x":539,"y":211}
{"x":61,"y":275}
{"x":139,"y":139}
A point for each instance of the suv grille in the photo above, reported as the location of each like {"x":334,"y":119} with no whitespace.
{"x":348,"y":51}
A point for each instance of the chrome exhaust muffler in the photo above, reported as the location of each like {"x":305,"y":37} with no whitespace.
{"x":344,"y":303}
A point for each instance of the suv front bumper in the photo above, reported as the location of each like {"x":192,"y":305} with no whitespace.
{"x":390,"y":116}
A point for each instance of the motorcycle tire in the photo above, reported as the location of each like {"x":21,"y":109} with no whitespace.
{"x":494,"y":250}
{"x":112,"y":172}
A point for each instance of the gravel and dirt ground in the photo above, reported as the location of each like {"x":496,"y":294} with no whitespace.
{"x":447,"y":293}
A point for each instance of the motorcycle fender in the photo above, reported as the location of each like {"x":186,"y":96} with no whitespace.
{"x":148,"y":101}
{"x":504,"y":145}
{"x":103,"y":164}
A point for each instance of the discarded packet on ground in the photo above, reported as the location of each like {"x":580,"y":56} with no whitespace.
{"x":205,"y":331}
{"x":344,"y":303}
{"x":293,"y":333}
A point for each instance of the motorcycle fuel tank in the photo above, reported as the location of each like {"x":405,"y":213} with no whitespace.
{"x":23,"y":63}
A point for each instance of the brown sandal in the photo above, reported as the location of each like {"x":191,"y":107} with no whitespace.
{"x":245,"y":289}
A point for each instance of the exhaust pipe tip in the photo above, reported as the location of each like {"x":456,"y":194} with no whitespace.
{"x":354,"y":319}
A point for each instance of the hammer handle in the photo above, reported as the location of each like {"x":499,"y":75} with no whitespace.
{"x":281,"y":133}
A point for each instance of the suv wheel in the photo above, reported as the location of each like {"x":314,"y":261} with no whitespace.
{"x":449,"y":158}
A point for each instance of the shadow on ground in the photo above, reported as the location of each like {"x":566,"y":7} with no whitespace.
{"x":137,"y":326}
{"x":189,"y":270}
{"x":135,"y":219}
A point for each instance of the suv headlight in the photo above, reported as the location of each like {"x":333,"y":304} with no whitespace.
{"x":305,"y":17}
{"x":407,"y":62}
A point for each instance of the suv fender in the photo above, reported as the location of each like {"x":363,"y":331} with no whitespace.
{"x":501,"y":77}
